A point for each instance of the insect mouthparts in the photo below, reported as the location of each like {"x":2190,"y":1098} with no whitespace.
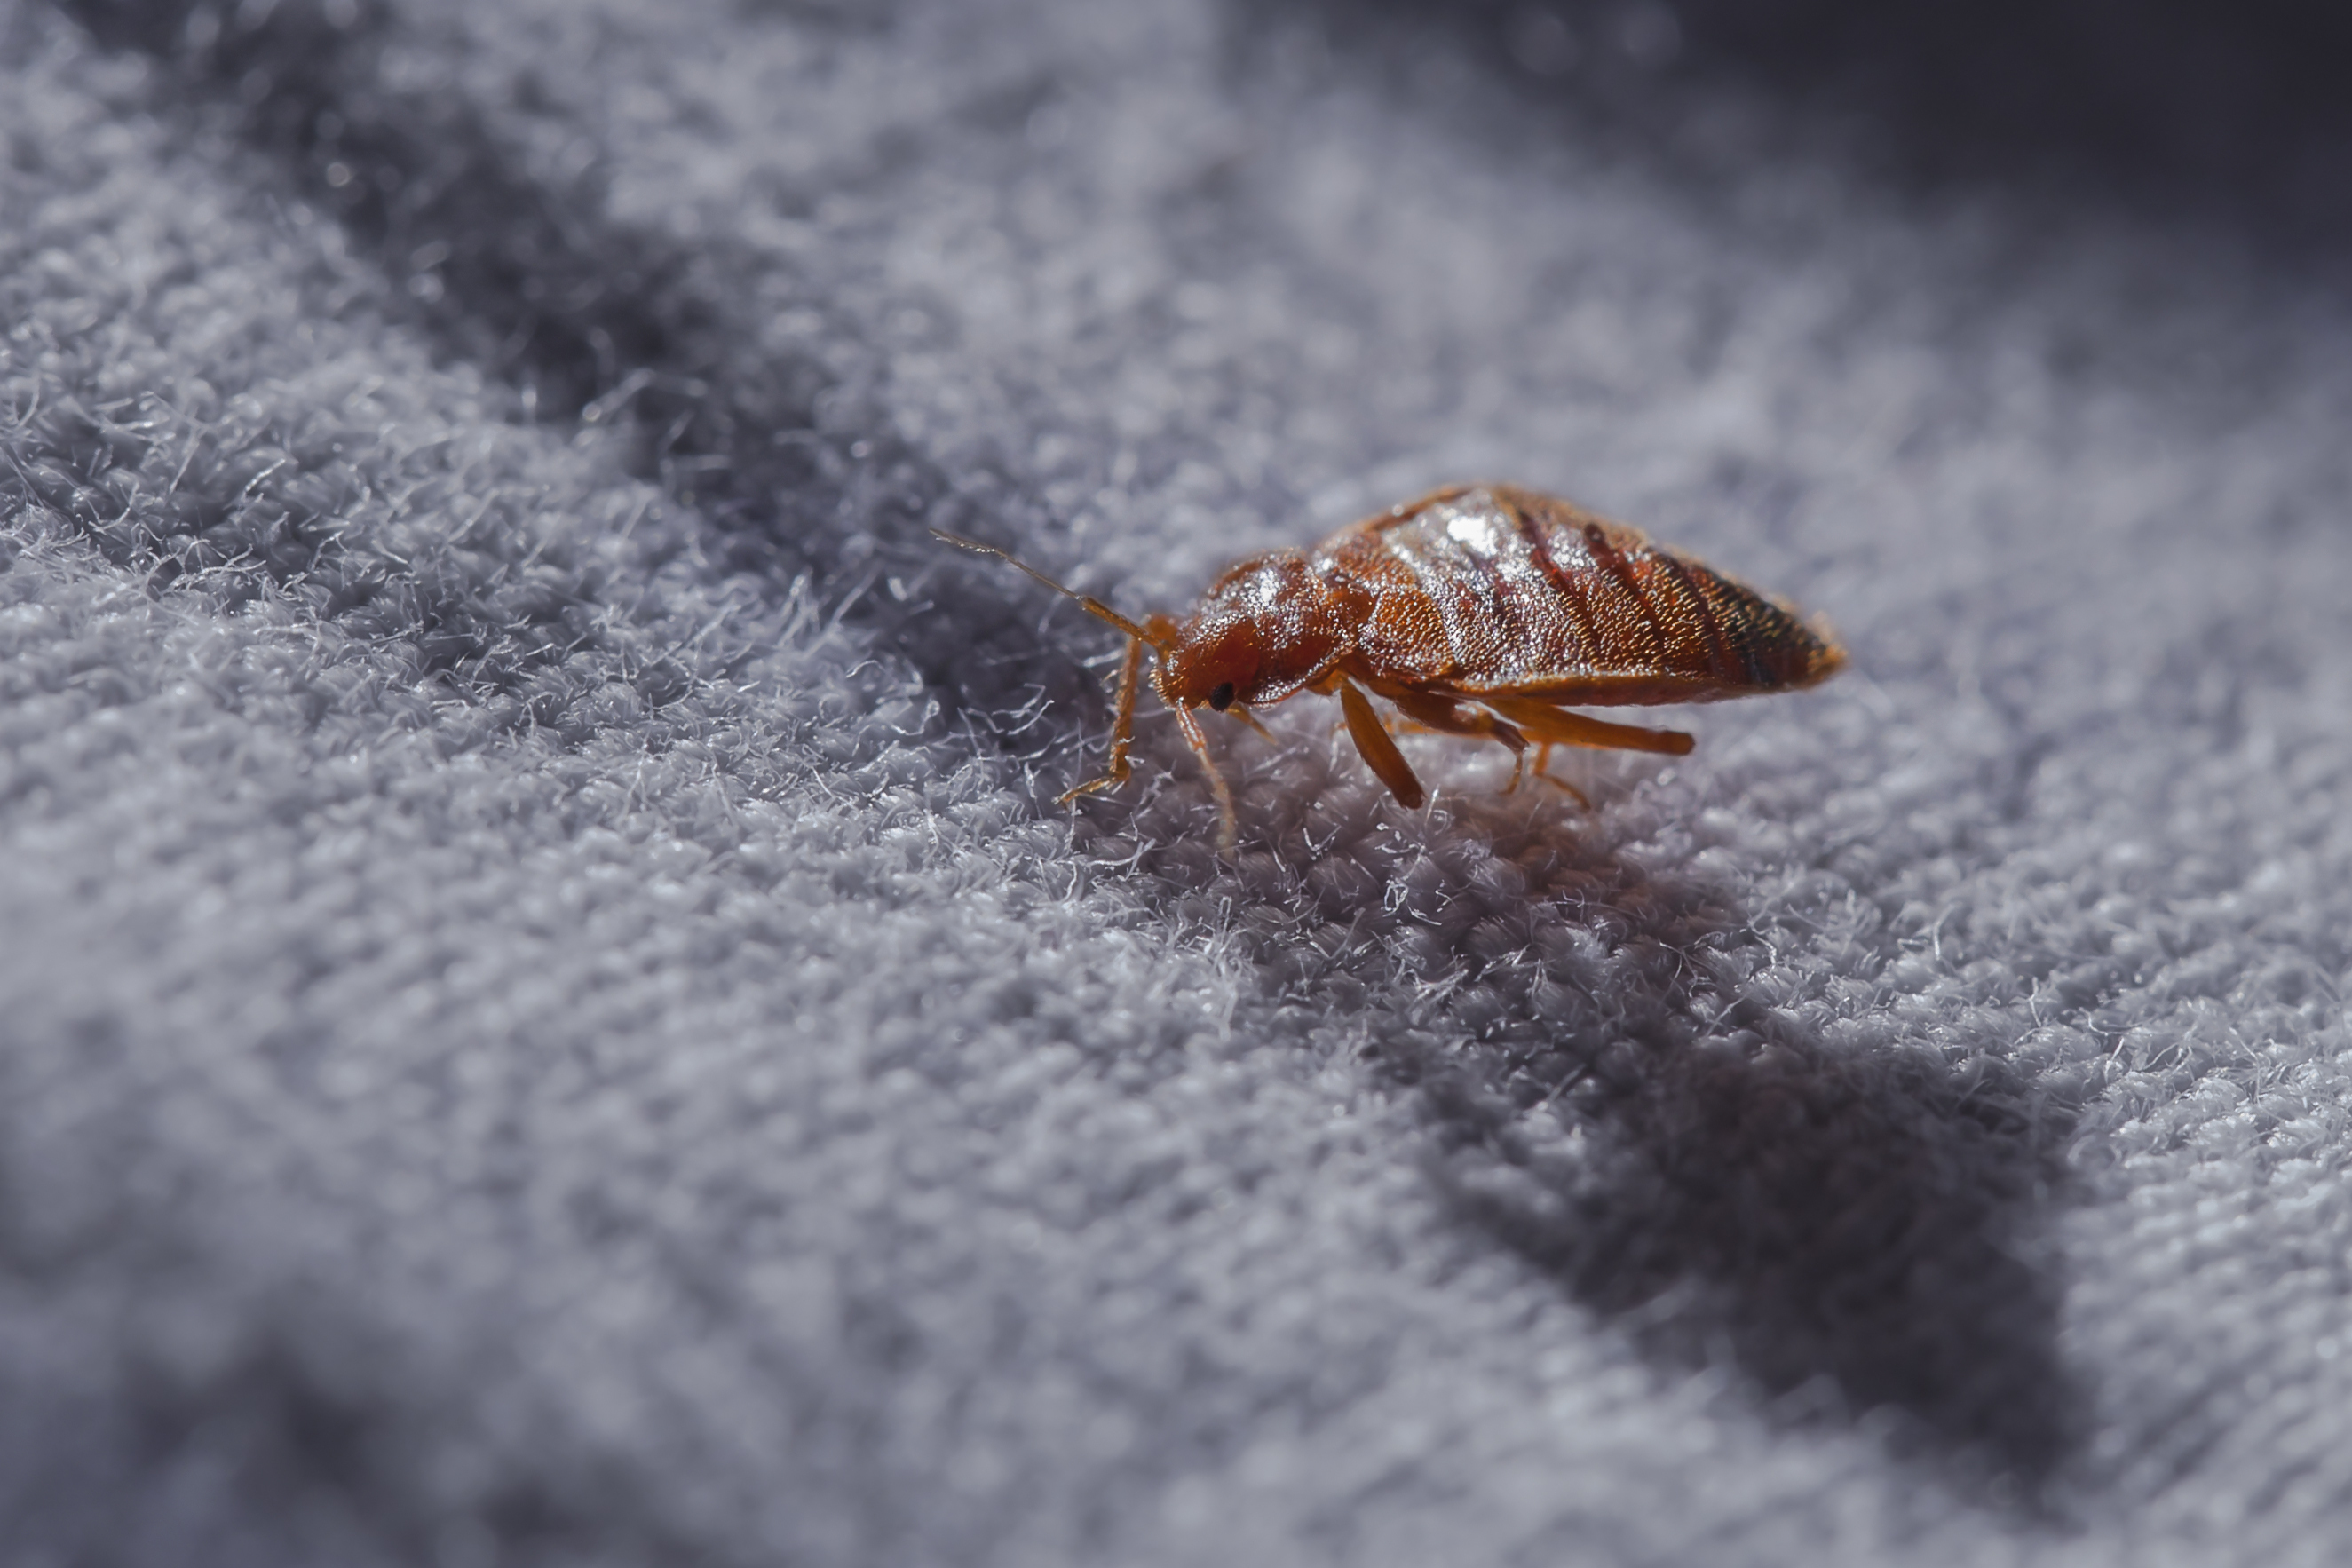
{"x":1223,"y":697}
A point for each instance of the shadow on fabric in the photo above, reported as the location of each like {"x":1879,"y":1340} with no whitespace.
{"x":594,"y":321}
{"x":1630,"y":1081}
{"x":1858,"y":1232}
{"x":2190,"y":112}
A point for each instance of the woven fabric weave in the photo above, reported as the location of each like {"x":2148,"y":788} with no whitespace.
{"x":547,"y":1014}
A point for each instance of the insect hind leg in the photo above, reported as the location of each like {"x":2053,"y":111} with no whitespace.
{"x":1549,"y":724}
{"x":1542,"y":771}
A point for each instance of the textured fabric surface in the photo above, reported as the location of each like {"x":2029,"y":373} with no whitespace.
{"x":547,"y":1014}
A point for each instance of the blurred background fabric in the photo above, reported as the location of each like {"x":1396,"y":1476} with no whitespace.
{"x":548,"y":1015}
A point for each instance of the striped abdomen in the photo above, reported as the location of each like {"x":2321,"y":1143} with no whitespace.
{"x":1493,"y":589}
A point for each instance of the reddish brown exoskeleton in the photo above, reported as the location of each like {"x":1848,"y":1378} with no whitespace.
{"x":1479,"y":610}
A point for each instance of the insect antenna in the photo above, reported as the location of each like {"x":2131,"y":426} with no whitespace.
{"x":1093,"y":606}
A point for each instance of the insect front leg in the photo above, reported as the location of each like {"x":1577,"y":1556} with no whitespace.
{"x":1122,"y":731}
{"x":1228,"y":822}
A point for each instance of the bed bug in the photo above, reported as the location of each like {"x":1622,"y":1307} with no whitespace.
{"x":1479,"y":610}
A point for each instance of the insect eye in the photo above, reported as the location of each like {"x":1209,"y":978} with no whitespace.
{"x":1223,"y":697}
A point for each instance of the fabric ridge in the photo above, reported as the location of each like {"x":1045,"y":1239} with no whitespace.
{"x":548,"y":1015}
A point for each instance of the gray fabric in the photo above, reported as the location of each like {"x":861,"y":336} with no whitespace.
{"x":550,"y":1017}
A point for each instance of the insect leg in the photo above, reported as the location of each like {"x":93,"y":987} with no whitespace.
{"x":1546,"y":723}
{"x":1122,"y":729}
{"x":1379,"y":752}
{"x":1448,"y":717}
{"x":1245,"y":716}
{"x":1543,"y":763}
{"x":1228,"y":823}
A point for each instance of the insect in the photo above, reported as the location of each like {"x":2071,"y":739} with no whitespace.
{"x":1479,"y":610}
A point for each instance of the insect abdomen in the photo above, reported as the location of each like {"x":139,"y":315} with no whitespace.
{"x":1494,"y":589}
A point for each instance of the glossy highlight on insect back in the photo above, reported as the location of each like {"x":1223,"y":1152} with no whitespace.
{"x":1487,"y":611}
